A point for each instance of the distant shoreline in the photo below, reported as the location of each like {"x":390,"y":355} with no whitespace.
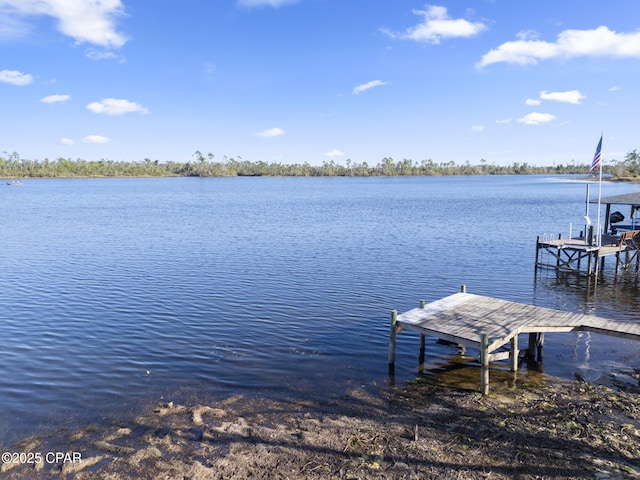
{"x":630,"y":180}
{"x":14,"y":166}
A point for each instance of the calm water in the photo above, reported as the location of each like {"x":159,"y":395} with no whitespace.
{"x":116,"y":292}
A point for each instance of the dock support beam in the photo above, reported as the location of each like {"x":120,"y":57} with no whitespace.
{"x":422,"y":352}
{"x":484,"y":363}
{"x":392,"y":341}
{"x":514,"y":354}
{"x":422,"y":345}
{"x":536,"y":342}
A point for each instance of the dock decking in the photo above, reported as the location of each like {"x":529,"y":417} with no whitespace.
{"x":489,"y":323}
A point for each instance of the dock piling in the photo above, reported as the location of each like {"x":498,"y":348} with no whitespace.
{"x":392,"y":341}
{"x":540,"y":345}
{"x":514,"y":354}
{"x":484,"y":363}
{"x":422,"y":352}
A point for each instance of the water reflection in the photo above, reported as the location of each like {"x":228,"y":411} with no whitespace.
{"x":463,"y":371}
{"x":609,"y":295}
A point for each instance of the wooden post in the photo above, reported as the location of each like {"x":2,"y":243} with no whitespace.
{"x":514,"y":353}
{"x":540,"y":345}
{"x":531,"y":348}
{"x":461,"y":348}
{"x":484,"y":363}
{"x":422,"y":345}
{"x":590,"y":254}
{"x":537,"y":250}
{"x":392,"y":341}
{"x":422,"y":350}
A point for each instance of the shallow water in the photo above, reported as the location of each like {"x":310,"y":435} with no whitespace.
{"x":116,"y":292}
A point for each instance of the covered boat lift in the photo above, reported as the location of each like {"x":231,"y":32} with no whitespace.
{"x":631,"y":200}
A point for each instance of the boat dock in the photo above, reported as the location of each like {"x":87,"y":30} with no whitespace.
{"x":586,"y":253}
{"x":489,"y":324}
{"x":574,"y":254}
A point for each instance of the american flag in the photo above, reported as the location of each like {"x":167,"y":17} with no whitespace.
{"x":597,"y":158}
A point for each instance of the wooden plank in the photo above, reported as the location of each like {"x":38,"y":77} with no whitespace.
{"x":494,"y":357}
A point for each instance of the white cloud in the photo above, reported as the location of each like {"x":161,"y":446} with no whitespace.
{"x":55,"y":98}
{"x":94,"y":54}
{"x":14,"y":77}
{"x":334,"y":154}
{"x":438,"y":25}
{"x":532,"y":102}
{"x":477,"y":128}
{"x":366,"y":86}
{"x":12,"y":27}
{"x":95,"y":139}
{"x":84,"y":21}
{"x":504,"y":121}
{"x":266,"y":3}
{"x":615,"y":88}
{"x":527,"y":35}
{"x":600,"y":42}
{"x":67,"y":141}
{"x":271,"y":132}
{"x":536,"y":118}
{"x":116,"y":106}
{"x":571,"y":96}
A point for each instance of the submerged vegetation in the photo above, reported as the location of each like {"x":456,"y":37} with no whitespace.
{"x":13,"y":166}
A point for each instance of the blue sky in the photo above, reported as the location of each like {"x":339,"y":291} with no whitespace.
{"x":296,"y":81}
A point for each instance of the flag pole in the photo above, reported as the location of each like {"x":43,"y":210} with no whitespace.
{"x":586,"y":215}
{"x":600,"y":193}
{"x":597,"y":162}
{"x":599,"y":201}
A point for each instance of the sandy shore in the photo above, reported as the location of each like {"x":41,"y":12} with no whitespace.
{"x":558,"y":430}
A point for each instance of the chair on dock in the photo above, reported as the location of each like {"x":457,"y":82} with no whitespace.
{"x":629,"y":244}
{"x":631,"y":239}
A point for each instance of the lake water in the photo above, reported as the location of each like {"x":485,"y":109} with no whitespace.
{"x":121,"y":292}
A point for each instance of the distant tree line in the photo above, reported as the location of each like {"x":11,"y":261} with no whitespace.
{"x":12,"y":166}
{"x":629,"y":167}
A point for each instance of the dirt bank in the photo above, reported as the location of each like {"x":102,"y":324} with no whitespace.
{"x":560,"y":430}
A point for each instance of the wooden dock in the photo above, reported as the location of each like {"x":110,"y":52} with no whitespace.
{"x":586,"y":254}
{"x":489,"y":324}
{"x":580,"y":255}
